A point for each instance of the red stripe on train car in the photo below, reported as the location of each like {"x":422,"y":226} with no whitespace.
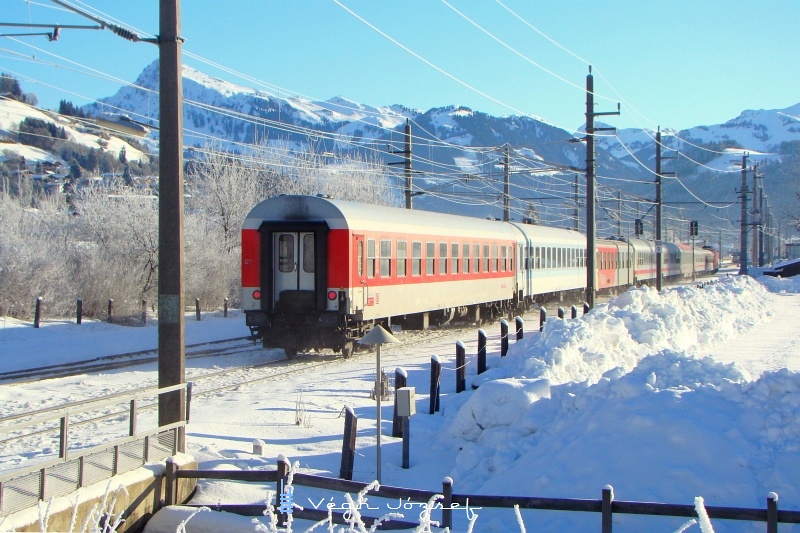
{"x":251,"y":258}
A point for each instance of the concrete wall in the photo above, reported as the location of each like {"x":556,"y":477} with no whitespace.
{"x":137,"y":495}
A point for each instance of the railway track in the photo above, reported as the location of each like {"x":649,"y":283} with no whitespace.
{"x":239,"y":345}
{"x":123,"y":360}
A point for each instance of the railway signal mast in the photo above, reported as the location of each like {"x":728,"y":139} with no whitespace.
{"x":659,"y":203}
{"x":591,"y":230}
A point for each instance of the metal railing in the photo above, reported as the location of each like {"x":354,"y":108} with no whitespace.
{"x":607,"y":506}
{"x":61,"y":467}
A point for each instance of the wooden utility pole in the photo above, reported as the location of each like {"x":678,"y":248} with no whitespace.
{"x":171,"y":341}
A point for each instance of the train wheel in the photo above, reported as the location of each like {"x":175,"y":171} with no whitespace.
{"x":290,"y":351}
{"x":347,"y":349}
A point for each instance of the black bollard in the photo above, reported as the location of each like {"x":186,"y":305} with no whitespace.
{"x":79,"y":311}
{"x":503,"y":338}
{"x":436,"y":374}
{"x":574,"y":311}
{"x":400,"y":380}
{"x":520,"y":325}
{"x":481,"y":351}
{"x":560,"y":312}
{"x":461,"y":367}
{"x":37,"y":312}
{"x":542,"y":317}
{"x":348,"y":444}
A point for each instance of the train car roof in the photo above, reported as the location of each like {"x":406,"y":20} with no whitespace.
{"x":342,"y":214}
{"x":549,"y":235}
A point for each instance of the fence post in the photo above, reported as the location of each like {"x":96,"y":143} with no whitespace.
{"x":37,"y":313}
{"x":503,"y":337}
{"x":436,"y":374}
{"x":43,"y":484}
{"x":63,"y":441}
{"x":574,"y":312}
{"x":481,"y":351}
{"x":772,"y":512}
{"x":608,"y":497}
{"x":400,"y":380}
{"x":461,"y":367}
{"x":197,"y":308}
{"x":144,"y":312}
{"x":447,"y":502}
{"x":132,"y":419}
{"x":348,"y":444}
{"x":110,"y":310}
{"x":283,"y":480}
{"x":79,"y":311}
{"x":188,"y":400}
{"x":170,"y":482}
{"x":225,"y":308}
{"x":585,"y":307}
{"x":520,"y":325}
{"x":542,"y":317}
{"x":560,"y":312}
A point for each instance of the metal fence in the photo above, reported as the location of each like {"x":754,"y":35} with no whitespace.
{"x":68,"y":467}
{"x":606,"y":506}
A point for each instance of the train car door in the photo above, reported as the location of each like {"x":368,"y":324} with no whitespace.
{"x":294,"y":268}
{"x":359,"y":273}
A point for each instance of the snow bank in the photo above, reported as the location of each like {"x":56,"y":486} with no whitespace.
{"x":781,"y":285}
{"x":634,"y":399}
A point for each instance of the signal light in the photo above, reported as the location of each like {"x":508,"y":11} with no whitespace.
{"x":331,"y":295}
{"x":257,"y":295}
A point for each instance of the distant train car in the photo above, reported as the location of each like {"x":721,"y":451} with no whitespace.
{"x":319,"y":273}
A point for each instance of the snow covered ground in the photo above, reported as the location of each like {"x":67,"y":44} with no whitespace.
{"x":690,"y":392}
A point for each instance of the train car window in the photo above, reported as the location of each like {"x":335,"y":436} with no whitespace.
{"x":485,"y":267}
{"x":465,"y":258}
{"x":308,"y":253}
{"x":370,"y":258}
{"x":476,"y":258}
{"x":430,"y":254}
{"x":504,"y":258}
{"x":494,"y":258}
{"x":416,"y":258}
{"x":286,"y":253}
{"x":402,"y":255}
{"x":360,"y":258}
{"x":386,"y":258}
{"x":454,"y":257}
{"x":442,"y":258}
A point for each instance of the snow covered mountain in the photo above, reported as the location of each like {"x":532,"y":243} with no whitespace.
{"x":456,"y":150}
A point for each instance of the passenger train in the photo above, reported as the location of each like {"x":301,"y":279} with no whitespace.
{"x":319,"y":273}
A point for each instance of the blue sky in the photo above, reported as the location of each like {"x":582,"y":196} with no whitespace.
{"x":675,"y":64}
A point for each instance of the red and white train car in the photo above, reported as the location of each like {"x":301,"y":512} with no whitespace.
{"x":316,"y":272}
